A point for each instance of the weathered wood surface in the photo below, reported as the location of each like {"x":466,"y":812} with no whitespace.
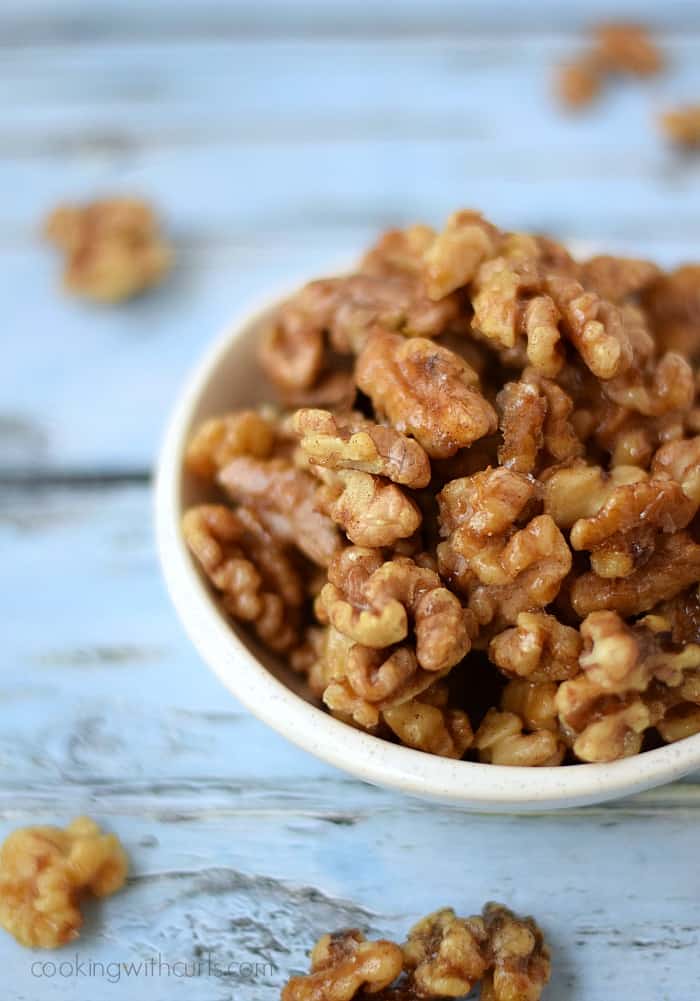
{"x":269,"y":134}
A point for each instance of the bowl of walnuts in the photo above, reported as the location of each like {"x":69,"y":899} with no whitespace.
{"x":435,"y":519}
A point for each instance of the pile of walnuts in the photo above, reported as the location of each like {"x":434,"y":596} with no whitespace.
{"x":470,"y":519}
{"x":444,"y":956}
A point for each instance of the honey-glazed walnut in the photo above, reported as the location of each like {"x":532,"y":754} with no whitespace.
{"x":523,"y":411}
{"x":623,"y":47}
{"x":425,"y":391}
{"x":680,"y":461}
{"x":535,"y":424}
{"x":258,"y":582}
{"x":681,"y":721}
{"x":561,"y":442}
{"x":284,"y":498}
{"x":370,"y":511}
{"x":220,"y":439}
{"x":375,"y":605}
{"x":601,"y":728}
{"x":620,"y":658}
{"x":44,"y":873}
{"x":673,"y":305}
{"x":682,"y":125}
{"x":533,"y":702}
{"x":113,"y":248}
{"x":446,"y":955}
{"x":622,"y":534}
{"x":578,"y":82}
{"x":508,"y":304}
{"x":539,"y":648}
{"x":618,"y":278}
{"x":673,"y":566}
{"x":352,"y":442}
{"x":344,"y":963}
{"x":603,"y":710}
{"x":520,"y":963}
{"x":429,"y":724}
{"x":594,"y":326}
{"x":682,"y":615}
{"x":340,"y":312}
{"x":452,"y":259}
{"x":502,"y":569}
{"x":399,"y":251}
{"x":501,"y":740}
{"x":664,"y":386}
{"x":369,"y":682}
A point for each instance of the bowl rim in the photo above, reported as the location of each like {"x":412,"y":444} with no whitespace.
{"x":471,"y":785}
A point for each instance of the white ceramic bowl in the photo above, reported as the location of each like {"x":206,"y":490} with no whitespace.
{"x":227,"y":378}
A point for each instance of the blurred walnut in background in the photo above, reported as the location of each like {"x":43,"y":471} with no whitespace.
{"x":113,"y":249}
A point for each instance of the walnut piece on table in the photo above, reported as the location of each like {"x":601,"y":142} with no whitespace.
{"x":681,"y":126}
{"x":624,"y":47}
{"x":44,"y":872}
{"x":578,"y":82}
{"x":444,"y":956}
{"x":617,"y":48}
{"x":112,"y":247}
{"x":342,"y":963}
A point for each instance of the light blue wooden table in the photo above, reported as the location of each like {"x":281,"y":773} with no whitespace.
{"x":277,"y":137}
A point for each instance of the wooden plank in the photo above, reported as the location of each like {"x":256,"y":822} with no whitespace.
{"x":247,"y":848}
{"x":46,"y":19}
{"x":149,"y":93}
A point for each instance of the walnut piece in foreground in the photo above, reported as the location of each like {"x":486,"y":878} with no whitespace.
{"x":44,"y":871}
{"x":113,"y":249}
{"x":444,"y":956}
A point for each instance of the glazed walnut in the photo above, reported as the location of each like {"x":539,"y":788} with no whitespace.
{"x":682,"y":126}
{"x":578,"y":82}
{"x":351,"y":442}
{"x":369,"y":510}
{"x":444,"y":956}
{"x":603,"y":710}
{"x":520,"y":963}
{"x":623,"y":47}
{"x":501,"y":740}
{"x":452,"y":259}
{"x":285,"y":499}
{"x":673,"y":566}
{"x":113,"y":248}
{"x":344,"y":963}
{"x":425,"y":391}
{"x":502,"y":568}
{"x":618,"y":278}
{"x":375,"y":603}
{"x":447,"y":955}
{"x":496,"y":442}
{"x":220,"y":439}
{"x":429,"y":724}
{"x":44,"y":872}
{"x":539,"y":648}
{"x":258,"y":582}
{"x":533,"y":702}
{"x":617,"y":517}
